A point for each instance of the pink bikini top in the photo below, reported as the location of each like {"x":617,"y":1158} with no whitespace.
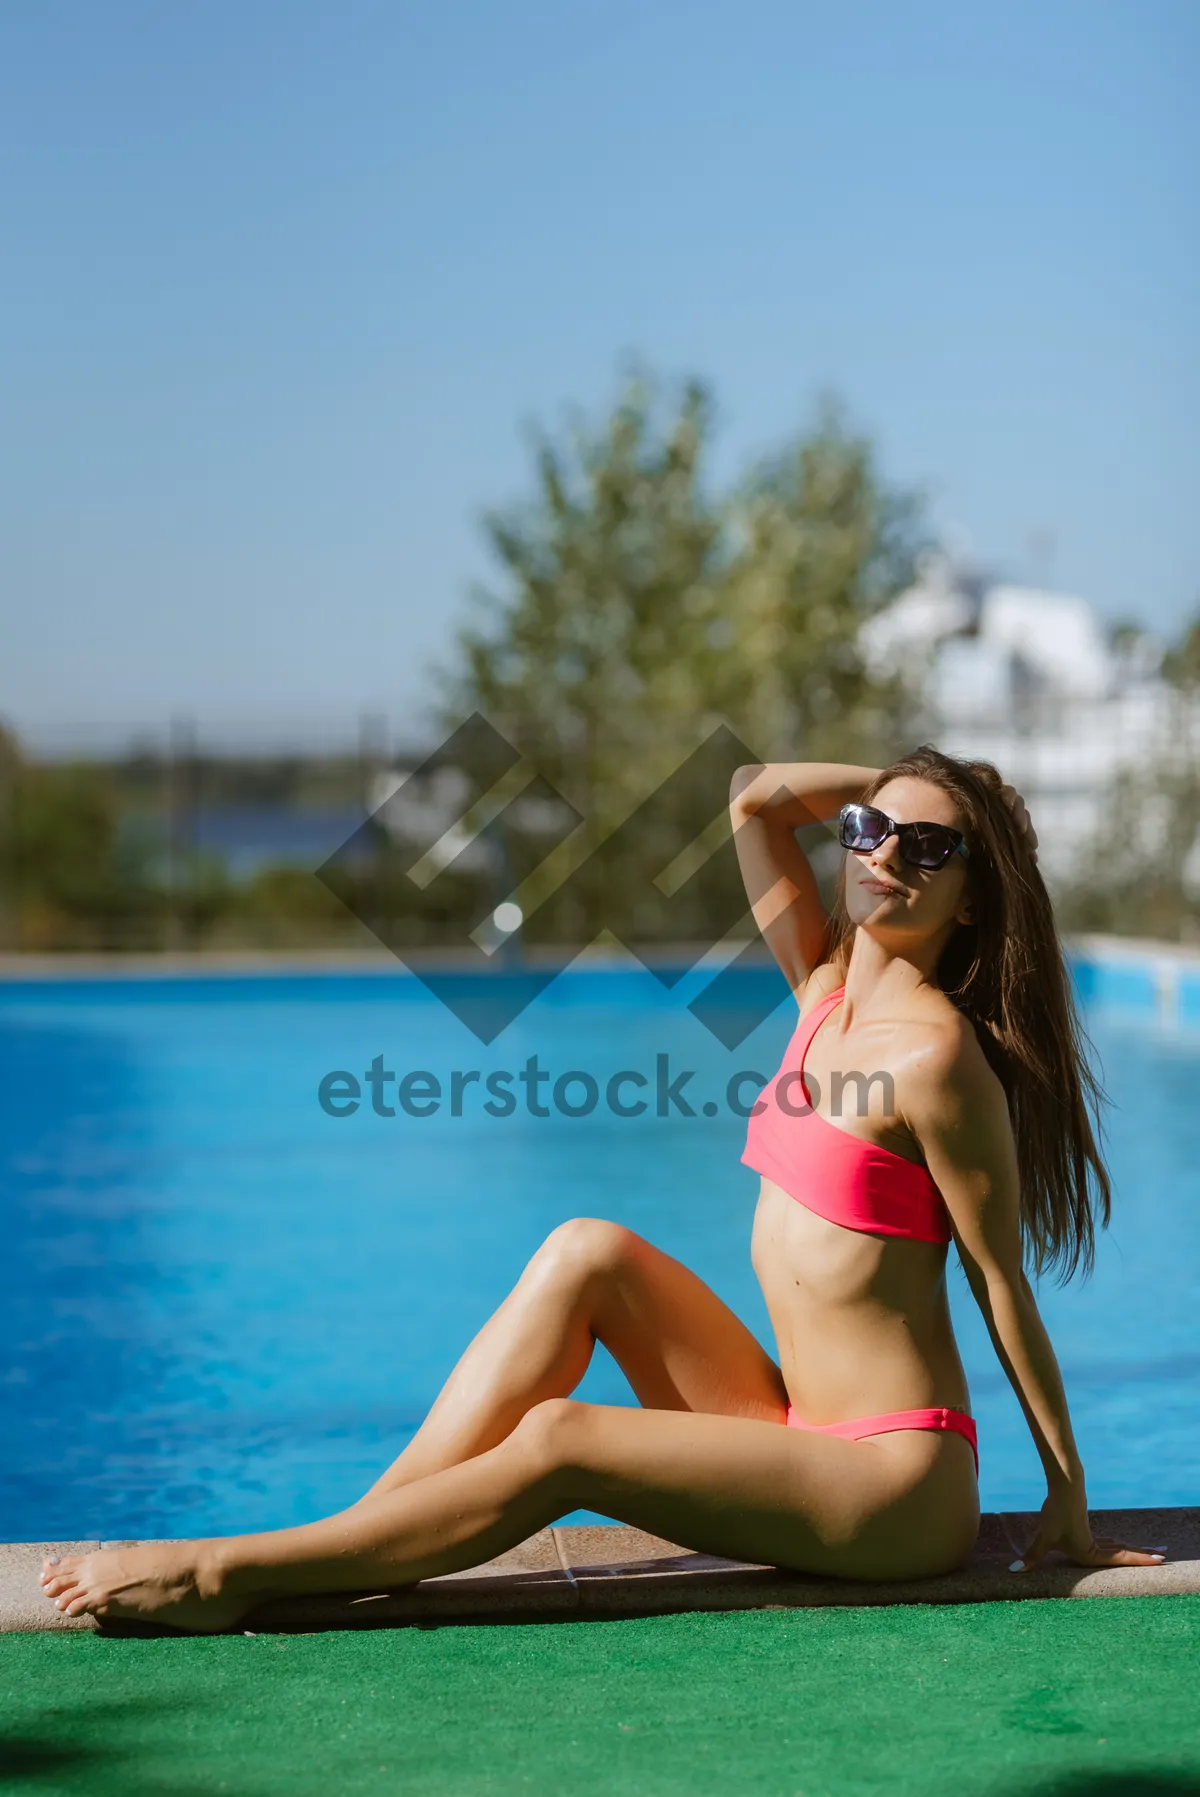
{"x":858,"y":1184}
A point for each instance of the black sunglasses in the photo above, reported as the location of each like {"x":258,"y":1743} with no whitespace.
{"x":864,"y":827}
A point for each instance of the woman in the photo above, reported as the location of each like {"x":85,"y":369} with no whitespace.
{"x":940,"y":971}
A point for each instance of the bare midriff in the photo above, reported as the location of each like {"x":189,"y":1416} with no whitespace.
{"x":862,"y":1321}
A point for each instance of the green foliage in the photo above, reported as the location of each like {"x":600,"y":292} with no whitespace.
{"x":821,"y":544}
{"x":598,"y":658}
{"x":637,"y":610}
{"x":1139,"y":881}
{"x":70,"y":881}
{"x":283,"y":907}
{"x":1181,"y":664}
{"x":80,"y":871}
{"x":1141,"y":875}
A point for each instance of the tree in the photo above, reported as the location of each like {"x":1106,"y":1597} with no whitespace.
{"x":638,"y":609}
{"x":70,"y":880}
{"x":1142,"y":873}
{"x":73,"y":874}
{"x":1181,"y":664}
{"x":821,"y":545}
{"x":598,"y":657}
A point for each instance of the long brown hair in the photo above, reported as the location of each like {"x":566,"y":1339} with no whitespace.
{"x":1006,"y":971}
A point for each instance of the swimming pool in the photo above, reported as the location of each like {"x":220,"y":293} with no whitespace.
{"x":227,"y":1308}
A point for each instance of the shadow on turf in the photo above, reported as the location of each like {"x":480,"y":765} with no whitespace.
{"x":29,"y":1759}
{"x":1123,"y":1783}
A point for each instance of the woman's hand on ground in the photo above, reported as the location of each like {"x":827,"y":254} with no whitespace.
{"x":1065,"y":1527}
{"x":1021,"y":817}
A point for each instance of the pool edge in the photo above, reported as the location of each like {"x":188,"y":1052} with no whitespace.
{"x":608,"y":1570}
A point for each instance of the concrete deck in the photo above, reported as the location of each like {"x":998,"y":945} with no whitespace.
{"x":369,"y":957}
{"x":569,"y":1573}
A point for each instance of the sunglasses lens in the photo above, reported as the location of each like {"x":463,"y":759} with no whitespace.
{"x":929,"y":845}
{"x":862,"y":827}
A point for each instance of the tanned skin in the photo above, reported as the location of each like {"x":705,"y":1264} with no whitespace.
{"x":861,"y":1322}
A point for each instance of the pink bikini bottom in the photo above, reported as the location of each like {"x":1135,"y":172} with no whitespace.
{"x":955,"y":1420}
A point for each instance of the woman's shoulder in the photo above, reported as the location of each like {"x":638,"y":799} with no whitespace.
{"x":942,"y":1051}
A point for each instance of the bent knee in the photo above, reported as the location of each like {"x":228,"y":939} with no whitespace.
{"x":584,"y":1248}
{"x":552,"y":1433}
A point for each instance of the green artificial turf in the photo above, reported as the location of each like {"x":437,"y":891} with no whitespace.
{"x":1053,"y":1699}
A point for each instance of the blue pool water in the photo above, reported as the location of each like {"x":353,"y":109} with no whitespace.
{"x":226,"y":1309}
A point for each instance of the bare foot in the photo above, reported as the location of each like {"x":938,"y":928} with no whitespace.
{"x":177,"y":1583}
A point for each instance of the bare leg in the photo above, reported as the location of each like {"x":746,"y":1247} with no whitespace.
{"x":679,"y":1346}
{"x":894,"y":1506}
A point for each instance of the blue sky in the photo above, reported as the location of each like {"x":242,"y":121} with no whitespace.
{"x":284,"y":281}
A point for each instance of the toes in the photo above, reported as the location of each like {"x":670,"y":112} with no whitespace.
{"x":58,"y":1567}
{"x":60,"y":1579}
{"x":78,"y":1600}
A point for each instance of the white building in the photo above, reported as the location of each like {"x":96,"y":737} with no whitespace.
{"x":1031,"y":681}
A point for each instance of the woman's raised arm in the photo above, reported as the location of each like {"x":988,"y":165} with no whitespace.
{"x":767,"y":802}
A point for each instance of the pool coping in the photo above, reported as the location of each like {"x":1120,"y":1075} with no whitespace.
{"x":583,"y":1573}
{"x":170,"y":963}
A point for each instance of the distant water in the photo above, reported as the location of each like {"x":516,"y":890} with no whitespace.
{"x":248,"y":838}
{"x":226,"y":1310}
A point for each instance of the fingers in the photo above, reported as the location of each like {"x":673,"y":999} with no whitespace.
{"x":1021,"y":817}
{"x":1103,"y":1551}
{"x":1107,"y":1552}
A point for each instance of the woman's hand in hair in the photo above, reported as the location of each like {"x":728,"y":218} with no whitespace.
{"x":1065,"y":1527}
{"x":1021,"y":817}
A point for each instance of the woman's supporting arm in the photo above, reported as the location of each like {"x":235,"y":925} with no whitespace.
{"x":1024,"y":1351}
{"x":956,"y":1106}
